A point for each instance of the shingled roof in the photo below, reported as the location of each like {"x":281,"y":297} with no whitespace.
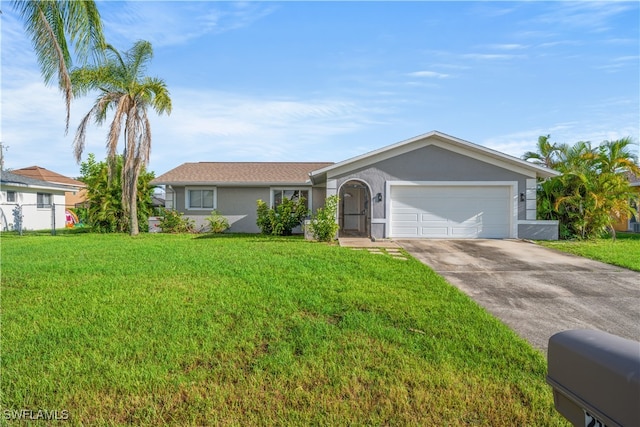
{"x":37,"y":172}
{"x":240,"y":173}
{"x":13,"y":179}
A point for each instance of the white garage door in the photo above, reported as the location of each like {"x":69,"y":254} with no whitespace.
{"x":452,"y":212}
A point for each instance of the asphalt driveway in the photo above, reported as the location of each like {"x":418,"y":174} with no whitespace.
{"x":535,"y":290}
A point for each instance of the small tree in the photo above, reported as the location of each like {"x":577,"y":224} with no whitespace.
{"x":323,"y":225}
{"x":281,"y":220}
{"x":105,"y":212}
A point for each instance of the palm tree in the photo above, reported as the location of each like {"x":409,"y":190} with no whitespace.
{"x":54,"y":25}
{"x":124,"y":89}
{"x":547,"y":154}
{"x":579,"y":157}
{"x":616,"y":157}
{"x":593,"y":191}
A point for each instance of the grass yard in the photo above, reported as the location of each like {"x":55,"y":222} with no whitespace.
{"x":251,"y":330}
{"x":624,"y":251}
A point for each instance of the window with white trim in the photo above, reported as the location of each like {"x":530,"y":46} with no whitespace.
{"x":44,"y":200}
{"x":294,"y":195}
{"x":201,"y":198}
{"x":11,"y":196}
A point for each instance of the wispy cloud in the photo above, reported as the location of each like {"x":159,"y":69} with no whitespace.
{"x":596,"y":131}
{"x":229,"y":126}
{"x":429,"y":74}
{"x":593,"y":15}
{"x":618,"y":64}
{"x":164,"y":24}
{"x":507,"y":46}
{"x":490,"y":56}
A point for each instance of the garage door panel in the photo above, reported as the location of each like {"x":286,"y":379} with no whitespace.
{"x":450,"y":211}
{"x":401,"y":231}
{"x":440,"y":232}
{"x":400,"y":217}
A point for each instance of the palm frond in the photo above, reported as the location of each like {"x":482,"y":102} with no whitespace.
{"x":49,"y":23}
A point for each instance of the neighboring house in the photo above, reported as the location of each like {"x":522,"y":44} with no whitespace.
{"x":631,"y":223}
{"x":41,"y":204}
{"x":72,"y":198}
{"x":157,"y":200}
{"x":430,"y":186}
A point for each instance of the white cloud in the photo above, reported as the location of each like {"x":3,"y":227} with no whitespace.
{"x":508,"y":46}
{"x":215,"y":125}
{"x":490,"y":56}
{"x":517,"y":143}
{"x":429,"y":74}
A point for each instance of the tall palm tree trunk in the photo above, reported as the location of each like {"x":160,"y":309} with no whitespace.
{"x":133,"y":202}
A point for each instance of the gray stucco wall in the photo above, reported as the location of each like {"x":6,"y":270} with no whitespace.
{"x":539,"y":230}
{"x":239,"y":206}
{"x":318,"y":195}
{"x":429,"y":163}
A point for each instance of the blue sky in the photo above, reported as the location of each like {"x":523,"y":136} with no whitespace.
{"x":326,"y":81}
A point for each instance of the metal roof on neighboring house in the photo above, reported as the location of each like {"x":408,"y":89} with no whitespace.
{"x":43,"y":174}
{"x":240,"y":173}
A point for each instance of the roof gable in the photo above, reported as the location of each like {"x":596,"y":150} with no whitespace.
{"x":240,"y":173}
{"x":37,"y":172}
{"x":441,"y":140}
{"x":11,"y":179}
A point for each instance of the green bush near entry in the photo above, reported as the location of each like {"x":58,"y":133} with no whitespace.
{"x":323,"y":224}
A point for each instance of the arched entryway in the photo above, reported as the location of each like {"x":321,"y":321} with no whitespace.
{"x":355,"y":209}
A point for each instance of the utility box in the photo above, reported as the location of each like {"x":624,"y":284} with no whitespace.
{"x":595,"y":378}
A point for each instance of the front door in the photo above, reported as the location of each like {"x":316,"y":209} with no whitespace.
{"x":354,"y":210}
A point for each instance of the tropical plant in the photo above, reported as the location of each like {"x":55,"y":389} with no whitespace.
{"x":593,"y":192}
{"x":58,"y":29}
{"x":615,"y":157}
{"x":124,"y":89}
{"x":281,"y":220}
{"x":323,"y":224}
{"x":172,"y":221}
{"x":104,"y":211}
{"x":217,"y":222}
{"x":547,"y":154}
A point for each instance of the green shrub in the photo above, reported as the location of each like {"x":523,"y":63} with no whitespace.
{"x":323,"y":225}
{"x":264,"y":218}
{"x":217,"y":222}
{"x":173,"y":221}
{"x":280,"y":221}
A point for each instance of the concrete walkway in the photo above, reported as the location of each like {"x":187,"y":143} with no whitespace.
{"x":363,"y":242}
{"x":535,"y":290}
{"x":378,"y":247}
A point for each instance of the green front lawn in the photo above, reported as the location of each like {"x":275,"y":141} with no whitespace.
{"x":624,"y":251}
{"x":252,"y":330}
